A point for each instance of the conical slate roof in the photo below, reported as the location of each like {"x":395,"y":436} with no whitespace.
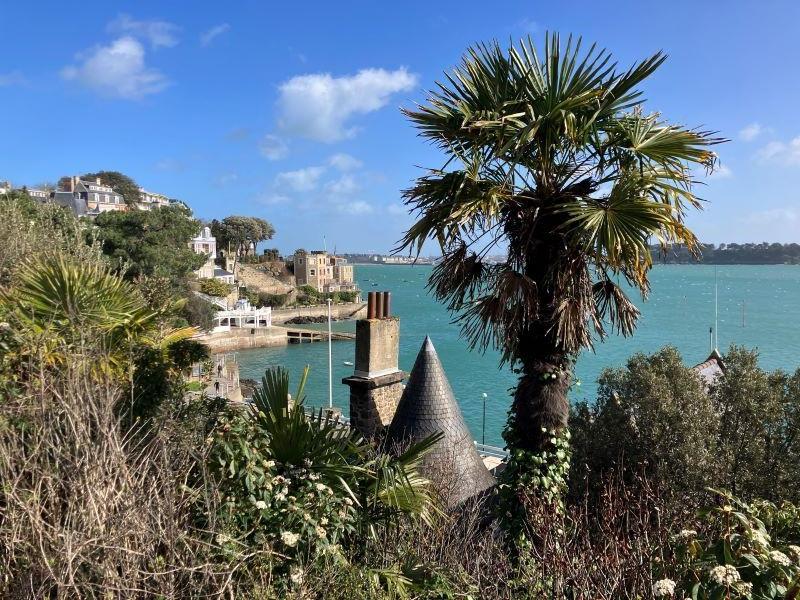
{"x":428,"y":406}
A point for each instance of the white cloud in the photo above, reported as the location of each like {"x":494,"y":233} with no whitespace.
{"x":397,"y":209}
{"x":774,"y":217}
{"x":170,"y":164}
{"x":226,"y":179}
{"x":344,"y":162}
{"x":12,"y":78}
{"x":783,"y":153}
{"x":158,"y":33}
{"x":273,"y":199}
{"x":357,"y":207}
{"x":528,"y":25}
{"x":273,"y":147}
{"x":117,"y":70}
{"x":751,"y":132}
{"x":320,"y":106}
{"x":721,"y":172}
{"x":301,"y":180}
{"x":216,"y":31}
{"x":345,"y":185}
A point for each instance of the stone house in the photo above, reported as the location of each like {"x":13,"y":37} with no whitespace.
{"x":324,"y":272}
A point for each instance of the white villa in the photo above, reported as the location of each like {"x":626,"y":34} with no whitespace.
{"x":243,"y":315}
{"x":205,"y":243}
{"x":151,"y":200}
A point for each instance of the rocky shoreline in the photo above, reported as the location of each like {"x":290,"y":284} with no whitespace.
{"x":307,"y":320}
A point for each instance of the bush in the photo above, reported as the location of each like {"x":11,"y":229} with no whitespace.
{"x":198,"y":313}
{"x":306,"y":485}
{"x":272,"y":300}
{"x":758,"y":442}
{"x":250,"y":296}
{"x":652,"y":417}
{"x":656,"y":417}
{"x":345,"y":296}
{"x":736,"y":555}
{"x":215,"y":287}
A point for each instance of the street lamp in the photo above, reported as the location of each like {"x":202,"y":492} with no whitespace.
{"x":330,"y":359}
{"x":483,"y":427}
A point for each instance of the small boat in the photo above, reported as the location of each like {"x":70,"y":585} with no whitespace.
{"x":348,"y":363}
{"x":374,"y":285}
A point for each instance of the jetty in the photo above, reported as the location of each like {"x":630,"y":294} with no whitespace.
{"x":299,"y":336}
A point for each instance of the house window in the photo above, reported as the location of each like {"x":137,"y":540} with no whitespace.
{"x":313,"y":272}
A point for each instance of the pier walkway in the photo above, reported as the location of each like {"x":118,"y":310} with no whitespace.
{"x":299,"y":336}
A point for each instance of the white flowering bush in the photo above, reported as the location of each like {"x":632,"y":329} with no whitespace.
{"x":736,"y":555}
{"x":301,"y":486}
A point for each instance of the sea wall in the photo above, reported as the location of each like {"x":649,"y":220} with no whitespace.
{"x":348,"y":310}
{"x":239,"y":338}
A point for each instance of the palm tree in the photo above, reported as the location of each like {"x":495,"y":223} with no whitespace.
{"x":555,"y":161}
{"x":383,"y":487}
{"x":65,"y":307}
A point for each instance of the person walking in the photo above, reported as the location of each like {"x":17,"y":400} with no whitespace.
{"x":216,"y":386}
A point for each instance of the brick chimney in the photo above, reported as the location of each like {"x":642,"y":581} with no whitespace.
{"x":377,"y":381}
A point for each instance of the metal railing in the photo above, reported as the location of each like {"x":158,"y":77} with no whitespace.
{"x":487,"y":450}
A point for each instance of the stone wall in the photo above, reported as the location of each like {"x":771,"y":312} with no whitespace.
{"x":244,"y":337}
{"x":373,"y":402}
{"x":348,"y":310}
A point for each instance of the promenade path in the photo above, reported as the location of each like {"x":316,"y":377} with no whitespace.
{"x":225,"y":378}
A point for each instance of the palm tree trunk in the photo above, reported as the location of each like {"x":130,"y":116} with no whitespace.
{"x":540,"y":399}
{"x":540,"y":407}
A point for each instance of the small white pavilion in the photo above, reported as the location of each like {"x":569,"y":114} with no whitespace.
{"x":243,"y":315}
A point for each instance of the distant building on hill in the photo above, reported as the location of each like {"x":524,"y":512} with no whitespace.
{"x":40,"y":195}
{"x":324,"y":272}
{"x":151,"y":200}
{"x":205,"y":243}
{"x":88,"y":197}
{"x":5,"y":187}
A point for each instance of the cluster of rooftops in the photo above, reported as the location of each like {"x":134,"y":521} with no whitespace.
{"x":90,"y":197}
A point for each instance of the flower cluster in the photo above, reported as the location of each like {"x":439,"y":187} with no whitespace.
{"x":292,"y":509}
{"x":755,"y":564}
{"x":724,"y":575}
{"x":663,"y":588}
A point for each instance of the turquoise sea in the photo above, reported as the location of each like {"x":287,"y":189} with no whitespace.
{"x":759,"y":307}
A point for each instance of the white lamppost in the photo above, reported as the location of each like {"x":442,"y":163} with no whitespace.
{"x":483,"y":427}
{"x":330,"y":359}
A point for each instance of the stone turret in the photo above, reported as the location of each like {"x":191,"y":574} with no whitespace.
{"x":428,"y":406}
{"x":377,"y":381}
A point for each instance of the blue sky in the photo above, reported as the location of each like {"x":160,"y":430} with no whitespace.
{"x":289,"y":111}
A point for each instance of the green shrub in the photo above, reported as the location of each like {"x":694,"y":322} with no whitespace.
{"x":215,"y":287}
{"x":736,"y":555}
{"x":651,"y":417}
{"x":655,"y":417}
{"x":272,"y":300}
{"x":345,"y":296}
{"x":197,"y":312}
{"x":304,"y":485}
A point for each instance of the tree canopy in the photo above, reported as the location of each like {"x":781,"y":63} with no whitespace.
{"x":154,"y":242}
{"x":240,"y":232}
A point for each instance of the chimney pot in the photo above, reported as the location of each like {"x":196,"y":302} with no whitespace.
{"x":379,"y":305}
{"x":387,"y":304}
{"x":371,"y":305}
